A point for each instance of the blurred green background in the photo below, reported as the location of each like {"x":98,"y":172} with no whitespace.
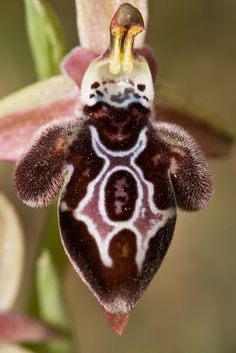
{"x":191,"y":304}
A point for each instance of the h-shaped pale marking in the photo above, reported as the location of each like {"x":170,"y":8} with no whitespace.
{"x":144,"y":222}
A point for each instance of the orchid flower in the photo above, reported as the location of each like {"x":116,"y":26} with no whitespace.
{"x":119,"y":170}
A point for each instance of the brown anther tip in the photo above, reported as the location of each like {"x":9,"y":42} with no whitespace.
{"x":117,"y":322}
{"x":127,"y":16}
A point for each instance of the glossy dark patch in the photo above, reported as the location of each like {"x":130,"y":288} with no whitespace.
{"x":120,"y":196}
{"x":108,"y":282}
{"x":122,"y":280}
{"x":154,"y":161}
{"x":86,"y":167}
{"x":158,"y":246}
{"x":118,"y":128}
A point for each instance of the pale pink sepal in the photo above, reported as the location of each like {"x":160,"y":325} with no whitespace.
{"x":93,"y":22}
{"x":17,"y":129}
{"x":20,"y":328}
{"x":22,"y":113}
{"x":76,"y":63}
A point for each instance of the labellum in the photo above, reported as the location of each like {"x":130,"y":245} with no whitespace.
{"x":122,"y":175}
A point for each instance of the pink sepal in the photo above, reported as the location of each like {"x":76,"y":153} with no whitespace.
{"x":17,"y":129}
{"x":76,"y":62}
{"x":18,"y":328}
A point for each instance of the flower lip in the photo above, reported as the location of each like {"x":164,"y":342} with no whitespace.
{"x":125,"y":25}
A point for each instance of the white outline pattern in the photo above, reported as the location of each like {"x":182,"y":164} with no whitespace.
{"x":146,"y":219}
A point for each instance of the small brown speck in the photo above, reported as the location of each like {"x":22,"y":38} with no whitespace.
{"x":131,"y":82}
{"x":141,"y":87}
{"x":99,"y":93}
{"x":95,"y":85}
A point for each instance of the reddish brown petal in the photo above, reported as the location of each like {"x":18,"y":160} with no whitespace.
{"x":17,"y":129}
{"x":213,"y":142}
{"x":76,"y":62}
{"x":15,"y":328}
{"x":177,"y":107}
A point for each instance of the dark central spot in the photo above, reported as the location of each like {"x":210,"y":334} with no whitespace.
{"x":120,"y":195}
{"x":118,"y":127}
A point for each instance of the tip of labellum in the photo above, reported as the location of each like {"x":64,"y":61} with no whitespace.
{"x":117,"y":321}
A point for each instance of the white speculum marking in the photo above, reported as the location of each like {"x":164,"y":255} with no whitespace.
{"x":146,"y":219}
{"x":99,"y":71}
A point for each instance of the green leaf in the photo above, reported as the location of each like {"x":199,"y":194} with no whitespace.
{"x":46,"y":37}
{"x":53,"y":242}
{"x":50,"y":297}
{"x":40,"y":93}
{"x":51,"y":302}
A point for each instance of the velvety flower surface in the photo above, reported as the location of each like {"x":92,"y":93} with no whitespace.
{"x":119,"y":170}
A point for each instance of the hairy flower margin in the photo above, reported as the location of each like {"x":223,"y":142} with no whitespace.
{"x":59,"y":96}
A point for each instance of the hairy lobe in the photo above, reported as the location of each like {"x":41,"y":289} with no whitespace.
{"x":39,"y":174}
